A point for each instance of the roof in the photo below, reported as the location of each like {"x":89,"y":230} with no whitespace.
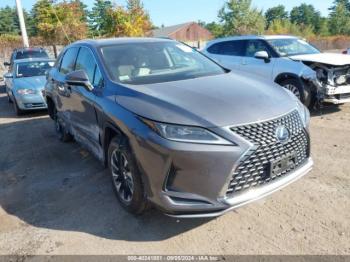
{"x":21,"y":49}
{"x":120,"y":40}
{"x":249,"y":37}
{"x":18,"y":61}
{"x":168,"y":30}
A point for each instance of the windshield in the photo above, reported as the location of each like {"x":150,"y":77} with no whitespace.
{"x":29,"y":69}
{"x":31,"y":54}
{"x":292,"y":46}
{"x":156,"y":62}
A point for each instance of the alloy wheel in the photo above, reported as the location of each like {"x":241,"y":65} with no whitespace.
{"x":122,"y":176}
{"x":294,"y":90}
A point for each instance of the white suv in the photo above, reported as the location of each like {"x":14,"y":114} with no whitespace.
{"x":289,"y":61}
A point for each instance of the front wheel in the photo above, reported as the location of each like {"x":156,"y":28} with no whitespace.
{"x":18,"y":111}
{"x":303,"y":93}
{"x":126,"y":178}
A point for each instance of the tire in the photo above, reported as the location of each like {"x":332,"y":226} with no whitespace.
{"x":62,"y":134}
{"x":302,"y":92}
{"x":18,"y":111}
{"x":126,"y":178}
{"x":9,"y":99}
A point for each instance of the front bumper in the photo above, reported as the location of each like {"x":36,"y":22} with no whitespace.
{"x":191,"y":180}
{"x":337,"y":95}
{"x":256,"y":193}
{"x":31,"y":102}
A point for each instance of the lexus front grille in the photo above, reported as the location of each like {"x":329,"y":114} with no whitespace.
{"x":255,"y":167}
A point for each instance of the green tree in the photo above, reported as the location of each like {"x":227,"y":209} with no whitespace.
{"x":60,"y":22}
{"x":286,"y":27}
{"x":346,"y":3}
{"x":306,"y":15}
{"x":238,"y":18}
{"x":215,"y":28}
{"x":339,"y":20}
{"x":276,"y":13}
{"x":100,"y":18}
{"x":8,"y":21}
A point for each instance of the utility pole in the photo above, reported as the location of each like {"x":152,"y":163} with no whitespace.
{"x":22,"y":23}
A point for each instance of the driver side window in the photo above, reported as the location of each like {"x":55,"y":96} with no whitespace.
{"x":254,"y":46}
{"x":86,"y":62}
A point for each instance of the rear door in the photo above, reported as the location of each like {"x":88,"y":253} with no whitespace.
{"x":228,"y":53}
{"x":256,"y":66}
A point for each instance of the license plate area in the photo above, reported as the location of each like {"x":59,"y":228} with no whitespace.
{"x":281,"y":165}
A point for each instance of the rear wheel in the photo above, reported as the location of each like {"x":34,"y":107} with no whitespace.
{"x":62,"y":134}
{"x":126,"y":178}
{"x":303,"y":93}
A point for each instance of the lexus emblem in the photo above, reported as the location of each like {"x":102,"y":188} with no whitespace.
{"x":282,"y":134}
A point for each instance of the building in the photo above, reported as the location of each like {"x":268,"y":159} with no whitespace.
{"x":190,"y":33}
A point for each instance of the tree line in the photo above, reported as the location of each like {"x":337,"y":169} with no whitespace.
{"x":70,"y":20}
{"x":238,"y":17}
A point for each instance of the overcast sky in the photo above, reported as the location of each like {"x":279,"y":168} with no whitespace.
{"x":170,"y":12}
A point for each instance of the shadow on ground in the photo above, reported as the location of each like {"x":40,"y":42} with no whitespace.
{"x":53,"y":185}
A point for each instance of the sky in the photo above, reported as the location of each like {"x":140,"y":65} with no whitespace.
{"x":171,"y":12}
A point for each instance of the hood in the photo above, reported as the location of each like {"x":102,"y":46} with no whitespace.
{"x":34,"y":82}
{"x":214,"y":101}
{"x":324,"y":58}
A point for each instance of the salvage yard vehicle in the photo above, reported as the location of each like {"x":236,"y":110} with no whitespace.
{"x":24,"y":53}
{"x":289,"y":61}
{"x":25,"y":83}
{"x":175,"y":129}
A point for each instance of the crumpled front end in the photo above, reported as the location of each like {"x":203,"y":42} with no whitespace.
{"x":332,"y":83}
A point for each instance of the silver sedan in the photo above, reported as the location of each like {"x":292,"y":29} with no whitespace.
{"x":25,"y":83}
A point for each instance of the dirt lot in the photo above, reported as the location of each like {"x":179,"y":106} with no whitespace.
{"x":57,"y":199}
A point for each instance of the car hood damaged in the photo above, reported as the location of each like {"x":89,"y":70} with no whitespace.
{"x":324,"y":58}
{"x":213,"y":101}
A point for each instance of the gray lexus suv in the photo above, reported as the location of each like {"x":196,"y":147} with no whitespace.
{"x":175,"y":129}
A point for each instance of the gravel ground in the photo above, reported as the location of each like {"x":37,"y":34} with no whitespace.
{"x":56,"y":198}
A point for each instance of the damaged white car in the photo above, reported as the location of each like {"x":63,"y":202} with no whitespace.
{"x":293,"y":63}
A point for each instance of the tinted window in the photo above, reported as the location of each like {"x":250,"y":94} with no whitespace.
{"x":233,"y":48}
{"x":156,"y":62}
{"x":86,"y":62}
{"x":98,"y":80}
{"x":31,"y":54}
{"x":68,"y":60}
{"x":254,"y":46}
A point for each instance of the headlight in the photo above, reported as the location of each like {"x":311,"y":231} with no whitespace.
{"x":304,"y":114}
{"x":186,"y":134}
{"x":26,"y":91}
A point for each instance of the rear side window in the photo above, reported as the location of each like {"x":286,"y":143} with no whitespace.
{"x":68,"y":61}
{"x":31,"y":54}
{"x":232,"y":48}
{"x":86,"y":62}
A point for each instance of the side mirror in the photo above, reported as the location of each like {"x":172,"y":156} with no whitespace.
{"x":7,"y":63}
{"x":262,"y":55}
{"x":79,"y":78}
{"x":8,"y":75}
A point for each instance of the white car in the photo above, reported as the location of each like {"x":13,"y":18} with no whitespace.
{"x":289,"y":61}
